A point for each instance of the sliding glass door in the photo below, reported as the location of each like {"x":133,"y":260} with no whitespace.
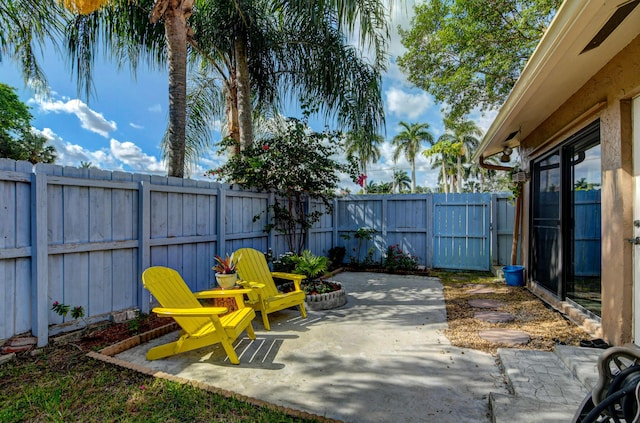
{"x":546,"y":229}
{"x":565,"y":221}
{"x":584,"y":234}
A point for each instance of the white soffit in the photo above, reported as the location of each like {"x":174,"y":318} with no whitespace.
{"x":556,"y":70}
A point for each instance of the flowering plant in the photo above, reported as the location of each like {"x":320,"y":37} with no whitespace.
{"x":225,"y":265}
{"x":399,"y":260}
{"x":295,"y":163}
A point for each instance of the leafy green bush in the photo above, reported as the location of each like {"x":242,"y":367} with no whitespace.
{"x":285,"y":263}
{"x":399,"y":260}
{"x":336,"y":256}
{"x":310,"y":265}
{"x":296,"y":164}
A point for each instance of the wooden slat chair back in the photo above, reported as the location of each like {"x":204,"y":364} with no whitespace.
{"x":254,"y":273}
{"x":201,"y":326}
{"x":253,"y":267}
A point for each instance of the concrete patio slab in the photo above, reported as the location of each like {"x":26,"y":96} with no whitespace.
{"x":382,"y":357}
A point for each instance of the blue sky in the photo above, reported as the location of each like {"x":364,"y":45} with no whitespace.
{"x":120,"y":127}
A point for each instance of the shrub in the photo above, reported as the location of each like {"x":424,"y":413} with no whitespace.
{"x":285,"y":263}
{"x":336,"y":256}
{"x":310,"y":265}
{"x":399,"y":260}
{"x":296,"y":164}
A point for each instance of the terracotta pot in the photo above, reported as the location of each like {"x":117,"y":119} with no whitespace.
{"x":226,"y":281}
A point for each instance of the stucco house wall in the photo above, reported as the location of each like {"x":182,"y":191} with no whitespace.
{"x":606,"y":96}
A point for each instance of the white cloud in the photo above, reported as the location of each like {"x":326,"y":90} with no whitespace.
{"x":403,"y":104}
{"x":156,"y":108}
{"x":119,"y":156}
{"x":135,"y":126}
{"x":89,"y":119}
{"x":133,"y":156}
{"x":68,"y":154}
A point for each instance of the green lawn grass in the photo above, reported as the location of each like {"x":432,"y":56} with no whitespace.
{"x":63,"y":385}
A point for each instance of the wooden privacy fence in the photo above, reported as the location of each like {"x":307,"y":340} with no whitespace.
{"x":83,"y":236}
{"x":448,"y":231}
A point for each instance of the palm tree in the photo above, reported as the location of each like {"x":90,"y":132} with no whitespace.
{"x":401,"y":180}
{"x":465,"y":133}
{"x":366,"y":148}
{"x":25,"y":25}
{"x":445,"y":153}
{"x":409,"y":142}
{"x":129,"y":38}
{"x":296,"y":50}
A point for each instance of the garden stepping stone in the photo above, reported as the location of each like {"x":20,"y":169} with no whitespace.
{"x":494,"y":316}
{"x":486,"y":303}
{"x":482,"y":289}
{"x":509,"y":337}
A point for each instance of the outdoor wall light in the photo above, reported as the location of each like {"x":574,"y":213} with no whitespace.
{"x":506,"y":153}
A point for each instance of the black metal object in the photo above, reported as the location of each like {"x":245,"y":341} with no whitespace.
{"x":616,"y":396}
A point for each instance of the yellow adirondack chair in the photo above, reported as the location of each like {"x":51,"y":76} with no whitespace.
{"x":254,"y":273}
{"x":201,"y":326}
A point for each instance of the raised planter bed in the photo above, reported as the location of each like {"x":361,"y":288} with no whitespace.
{"x":326,"y":301}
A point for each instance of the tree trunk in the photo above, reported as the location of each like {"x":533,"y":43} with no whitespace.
{"x":364,"y":185}
{"x":244,"y":90}
{"x":175,"y":25}
{"x":445,"y":182}
{"x":232,"y":116}
{"x":413,"y":176}
{"x":459,"y":179}
{"x":516,"y":228}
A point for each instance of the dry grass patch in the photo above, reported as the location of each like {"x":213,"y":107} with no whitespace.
{"x":545,"y":326}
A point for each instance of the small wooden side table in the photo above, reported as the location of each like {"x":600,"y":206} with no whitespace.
{"x":229,"y":303}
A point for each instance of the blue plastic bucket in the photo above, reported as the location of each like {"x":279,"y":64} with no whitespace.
{"x":514,"y":275}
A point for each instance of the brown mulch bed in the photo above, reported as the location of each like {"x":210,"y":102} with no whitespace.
{"x":546,"y":327}
{"x":106,"y":334}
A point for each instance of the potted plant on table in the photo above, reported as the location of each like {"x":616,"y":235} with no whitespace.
{"x":225,"y":269}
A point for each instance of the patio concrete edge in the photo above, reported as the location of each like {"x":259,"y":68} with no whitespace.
{"x":107,"y":354}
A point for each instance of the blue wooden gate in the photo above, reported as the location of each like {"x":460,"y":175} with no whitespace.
{"x":461,"y":231}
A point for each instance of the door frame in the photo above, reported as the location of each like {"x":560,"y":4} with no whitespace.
{"x":635,"y":123}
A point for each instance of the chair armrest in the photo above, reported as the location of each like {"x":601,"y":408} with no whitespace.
{"x":288,"y":276}
{"x":220,"y":293}
{"x":255,"y":290}
{"x":189,"y":312}
{"x":252,"y":285}
{"x":295,"y":278}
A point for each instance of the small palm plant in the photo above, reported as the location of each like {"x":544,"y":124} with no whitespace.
{"x":312,"y":267}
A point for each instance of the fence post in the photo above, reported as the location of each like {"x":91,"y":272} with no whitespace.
{"x":220,"y":215}
{"x":334,"y":222}
{"x":271,"y":235}
{"x":430,"y":236}
{"x":307,"y":239}
{"x":144,"y":235}
{"x":39,"y":259}
{"x":492,"y":229}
